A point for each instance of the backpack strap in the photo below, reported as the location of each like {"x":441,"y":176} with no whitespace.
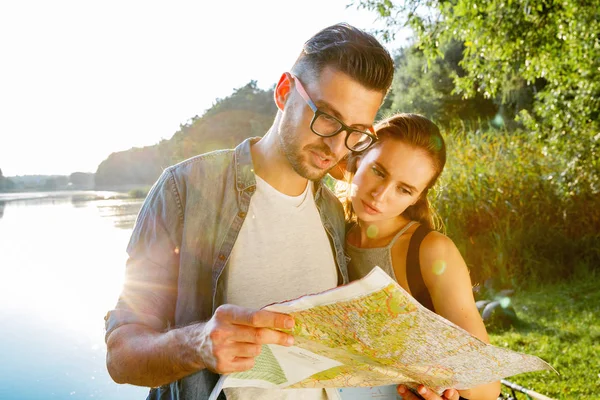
{"x":413,"y":269}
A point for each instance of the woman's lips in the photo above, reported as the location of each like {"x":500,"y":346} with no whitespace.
{"x":369,"y":209}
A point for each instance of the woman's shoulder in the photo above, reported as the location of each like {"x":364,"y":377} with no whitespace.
{"x":435,"y":242}
{"x":439,"y":256}
{"x":430,"y":239}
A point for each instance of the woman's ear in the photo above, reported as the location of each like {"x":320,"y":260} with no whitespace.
{"x":282,"y":90}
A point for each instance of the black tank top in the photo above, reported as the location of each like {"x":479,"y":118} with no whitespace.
{"x":413,"y":268}
{"x":362,"y":261}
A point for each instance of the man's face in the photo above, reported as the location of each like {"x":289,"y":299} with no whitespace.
{"x":337,"y":94}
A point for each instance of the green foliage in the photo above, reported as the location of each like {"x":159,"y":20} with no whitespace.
{"x":551,"y":48}
{"x":5,"y":183}
{"x":139,"y":193}
{"x":134,"y":166}
{"x":428,"y":88}
{"x":247,"y":98}
{"x":505,"y":210}
{"x":81,"y":180}
{"x":33,"y":183}
{"x":56,"y":183}
{"x":561,"y":325}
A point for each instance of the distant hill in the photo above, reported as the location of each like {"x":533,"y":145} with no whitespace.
{"x":248,"y":112}
{"x":25,"y":183}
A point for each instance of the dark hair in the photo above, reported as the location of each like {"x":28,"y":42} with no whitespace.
{"x":351,"y":51}
{"x":417,"y":131}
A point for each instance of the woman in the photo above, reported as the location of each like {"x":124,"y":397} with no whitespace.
{"x":392,"y":226}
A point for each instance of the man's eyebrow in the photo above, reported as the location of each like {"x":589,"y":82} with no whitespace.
{"x":329,"y":109}
{"x":412,"y":188}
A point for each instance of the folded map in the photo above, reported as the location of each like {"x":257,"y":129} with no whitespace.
{"x":371,"y":332}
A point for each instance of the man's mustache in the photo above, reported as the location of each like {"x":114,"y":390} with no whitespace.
{"x":325,"y":150}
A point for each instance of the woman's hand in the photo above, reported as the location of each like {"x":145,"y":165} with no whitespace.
{"x":427,"y":394}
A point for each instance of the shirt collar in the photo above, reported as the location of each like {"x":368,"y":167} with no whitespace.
{"x":244,"y":168}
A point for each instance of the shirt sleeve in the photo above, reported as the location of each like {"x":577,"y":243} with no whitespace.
{"x":149,"y":292}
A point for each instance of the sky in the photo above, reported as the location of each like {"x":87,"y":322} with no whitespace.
{"x":82,"y":79}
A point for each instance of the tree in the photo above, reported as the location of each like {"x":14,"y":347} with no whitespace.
{"x":81,"y":180}
{"x":510,"y":45}
{"x":249,"y":111}
{"x":429,"y":89}
{"x":5,"y":183}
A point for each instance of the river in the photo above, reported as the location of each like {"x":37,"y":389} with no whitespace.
{"x":62,"y":258}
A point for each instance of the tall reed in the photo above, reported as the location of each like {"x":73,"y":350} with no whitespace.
{"x":502,"y":204}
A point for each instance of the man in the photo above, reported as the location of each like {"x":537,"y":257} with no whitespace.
{"x":225,"y":233}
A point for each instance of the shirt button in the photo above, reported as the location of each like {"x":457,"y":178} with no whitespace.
{"x":221,"y":257}
{"x":242,"y":214}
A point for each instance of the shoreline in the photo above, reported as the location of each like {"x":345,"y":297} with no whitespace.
{"x":83,"y":195}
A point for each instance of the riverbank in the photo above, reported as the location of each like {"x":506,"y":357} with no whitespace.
{"x":83,"y":195}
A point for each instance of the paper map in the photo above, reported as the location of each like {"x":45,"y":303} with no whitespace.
{"x":371,"y":332}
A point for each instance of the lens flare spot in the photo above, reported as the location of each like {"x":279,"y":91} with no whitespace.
{"x":372,"y":231}
{"x":436,"y":142}
{"x":439,"y":267}
{"x":176,"y":250}
{"x":504,"y":302}
{"x":498,"y":121}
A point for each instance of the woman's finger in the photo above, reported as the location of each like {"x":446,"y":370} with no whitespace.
{"x":429,"y":394}
{"x":451,"y":394}
{"x":406,"y":393}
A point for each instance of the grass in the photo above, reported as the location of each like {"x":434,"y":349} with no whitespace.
{"x":559,"y":323}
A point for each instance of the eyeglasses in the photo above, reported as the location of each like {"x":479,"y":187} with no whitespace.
{"x":326,"y":125}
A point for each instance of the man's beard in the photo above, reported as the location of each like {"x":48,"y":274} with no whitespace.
{"x":294,"y":154}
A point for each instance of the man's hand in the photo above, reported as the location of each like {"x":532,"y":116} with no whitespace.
{"x":233,"y":337}
{"x":427,"y":394}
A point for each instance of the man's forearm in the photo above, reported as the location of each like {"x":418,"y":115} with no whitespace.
{"x":141,"y":356}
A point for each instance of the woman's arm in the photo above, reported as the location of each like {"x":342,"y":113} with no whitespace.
{"x":447,"y":278}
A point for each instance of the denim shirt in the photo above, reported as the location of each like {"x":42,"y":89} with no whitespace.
{"x":181,"y":242}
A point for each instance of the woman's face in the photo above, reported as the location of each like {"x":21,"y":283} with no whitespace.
{"x":389,"y":178}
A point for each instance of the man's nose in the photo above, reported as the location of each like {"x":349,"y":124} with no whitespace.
{"x":336,"y":145}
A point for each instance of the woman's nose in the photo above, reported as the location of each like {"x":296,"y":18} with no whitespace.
{"x":379,"y":192}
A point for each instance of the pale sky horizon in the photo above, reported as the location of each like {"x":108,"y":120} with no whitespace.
{"x":80,"y":79}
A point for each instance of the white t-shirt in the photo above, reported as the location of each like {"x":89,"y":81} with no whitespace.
{"x":282,"y":252}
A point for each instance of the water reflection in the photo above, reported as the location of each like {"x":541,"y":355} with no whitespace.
{"x":122,"y":212}
{"x":62,"y":258}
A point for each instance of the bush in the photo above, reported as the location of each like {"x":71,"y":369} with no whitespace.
{"x":139,"y":193}
{"x":504,"y":206}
